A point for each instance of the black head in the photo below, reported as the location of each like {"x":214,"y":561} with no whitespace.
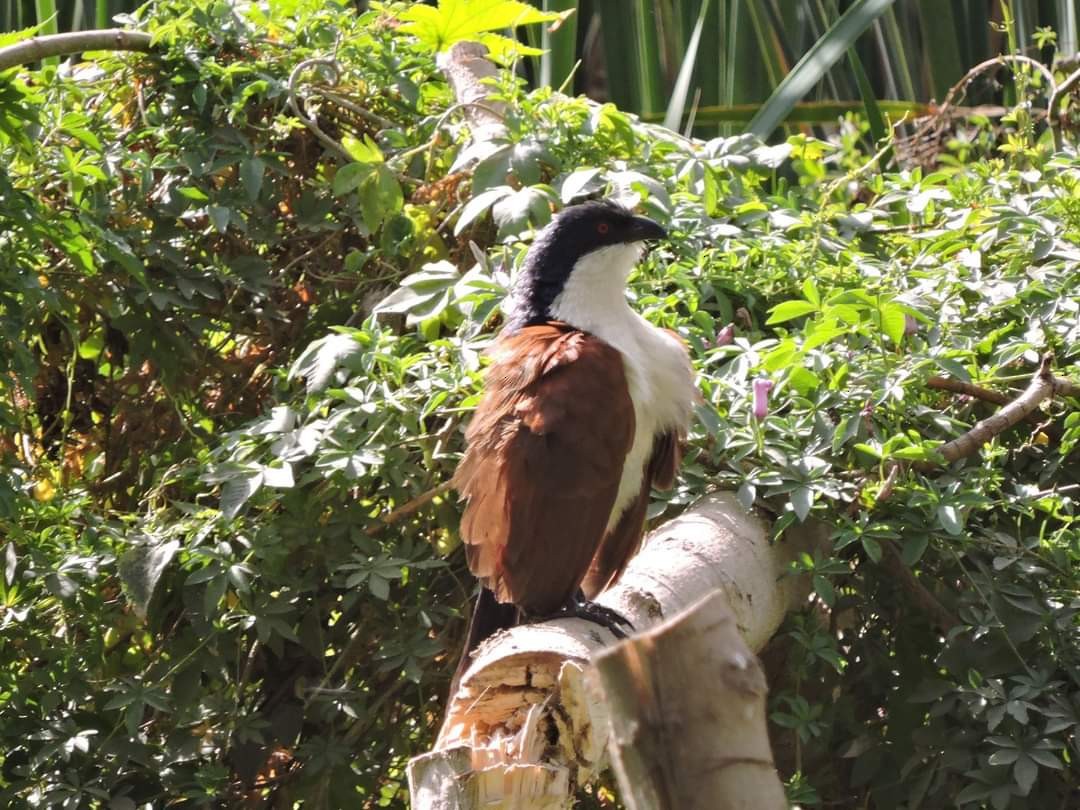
{"x":574,"y":232}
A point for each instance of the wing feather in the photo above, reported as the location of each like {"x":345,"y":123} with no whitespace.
{"x":545,"y":452}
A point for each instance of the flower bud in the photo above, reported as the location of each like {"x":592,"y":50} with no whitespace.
{"x":762,"y":386}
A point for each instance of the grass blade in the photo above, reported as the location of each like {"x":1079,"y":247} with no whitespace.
{"x":677,"y":106}
{"x":47,"y":23}
{"x":809,"y":70}
{"x":617,"y":29}
{"x":873,"y":112}
{"x":560,"y":46}
{"x":803,"y":112}
{"x":650,"y":79}
{"x":939,"y":45}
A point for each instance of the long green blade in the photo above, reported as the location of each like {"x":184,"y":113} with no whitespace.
{"x":803,"y":112}
{"x":677,"y":105}
{"x":650,"y":79}
{"x":560,"y":46}
{"x":869,"y":100}
{"x":617,"y":30}
{"x":821,"y":56}
{"x":47,"y":22}
{"x":939,"y":43}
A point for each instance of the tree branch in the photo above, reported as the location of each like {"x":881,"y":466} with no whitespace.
{"x":37,"y":48}
{"x":1043,"y":386}
{"x":967,"y":389}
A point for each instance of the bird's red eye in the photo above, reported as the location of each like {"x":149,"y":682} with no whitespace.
{"x":602,"y":227}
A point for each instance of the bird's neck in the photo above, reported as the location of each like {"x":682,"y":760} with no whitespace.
{"x":594,"y":294}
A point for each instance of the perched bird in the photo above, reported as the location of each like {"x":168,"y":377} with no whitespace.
{"x":583,"y":410}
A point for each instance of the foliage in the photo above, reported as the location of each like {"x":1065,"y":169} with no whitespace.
{"x":773,"y":60}
{"x":205,"y":424}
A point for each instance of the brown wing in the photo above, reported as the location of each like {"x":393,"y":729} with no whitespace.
{"x":545,"y":454}
{"x":621,"y":543}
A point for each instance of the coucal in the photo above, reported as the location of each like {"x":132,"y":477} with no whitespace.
{"x":584,"y":407}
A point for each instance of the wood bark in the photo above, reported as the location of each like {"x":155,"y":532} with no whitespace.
{"x":688,"y":722}
{"x":529,"y":724}
{"x":38,"y":48}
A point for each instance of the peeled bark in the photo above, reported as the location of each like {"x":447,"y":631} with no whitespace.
{"x":529,"y":725}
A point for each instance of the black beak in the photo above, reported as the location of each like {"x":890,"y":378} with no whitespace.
{"x":642,"y":228}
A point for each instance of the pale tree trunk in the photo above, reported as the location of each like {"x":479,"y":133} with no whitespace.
{"x":529,"y":723}
{"x":687,"y":708}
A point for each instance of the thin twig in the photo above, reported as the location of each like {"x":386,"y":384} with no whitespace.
{"x":1053,"y":116}
{"x":933,"y":125}
{"x":294,"y":104}
{"x":407,"y":509}
{"x":889,"y":485}
{"x":1043,"y":386}
{"x":345,"y":103}
{"x":998,"y":61}
{"x":967,"y":389}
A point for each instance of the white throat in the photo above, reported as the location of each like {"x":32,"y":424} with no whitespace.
{"x":594,"y":295}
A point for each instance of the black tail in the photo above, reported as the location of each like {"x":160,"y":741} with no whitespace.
{"x":489,"y":617}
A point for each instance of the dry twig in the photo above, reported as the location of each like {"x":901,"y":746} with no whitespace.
{"x":1043,"y":386}
{"x":408,"y":508}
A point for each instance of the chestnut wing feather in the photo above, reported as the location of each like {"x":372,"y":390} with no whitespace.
{"x":545,"y":453}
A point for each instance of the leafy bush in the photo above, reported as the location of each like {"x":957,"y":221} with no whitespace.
{"x":208,"y":596}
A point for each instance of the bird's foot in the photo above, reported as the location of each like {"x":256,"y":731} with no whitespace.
{"x":582,"y":608}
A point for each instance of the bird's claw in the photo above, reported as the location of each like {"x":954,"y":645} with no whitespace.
{"x":581,"y":608}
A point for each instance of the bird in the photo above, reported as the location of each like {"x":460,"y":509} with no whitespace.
{"x":585,"y":406}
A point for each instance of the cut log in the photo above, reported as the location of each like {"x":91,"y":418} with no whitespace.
{"x":529,"y":725}
{"x":687,"y":708}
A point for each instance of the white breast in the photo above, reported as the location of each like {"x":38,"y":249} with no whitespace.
{"x":658,"y":371}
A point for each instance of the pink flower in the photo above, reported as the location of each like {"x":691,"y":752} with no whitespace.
{"x":725,"y":335}
{"x":762,"y":387}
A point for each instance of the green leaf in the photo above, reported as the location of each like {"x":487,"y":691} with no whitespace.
{"x":362,"y":150}
{"x":878,"y":132}
{"x":893,"y":320}
{"x":236,"y":492}
{"x":951,"y":519}
{"x":824,"y":589}
{"x":677,"y":105}
{"x":913,"y":548}
{"x":479,"y":205}
{"x":1025,"y":771}
{"x":456,"y":20}
{"x":789,"y":310}
{"x":349,"y":177}
{"x":319,"y":361}
{"x":192,"y":193}
{"x":140,"y":570}
{"x":872,"y":548}
{"x":821,"y":56}
{"x":802,"y":501}
{"x":219,"y":216}
{"x":252,"y":172}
